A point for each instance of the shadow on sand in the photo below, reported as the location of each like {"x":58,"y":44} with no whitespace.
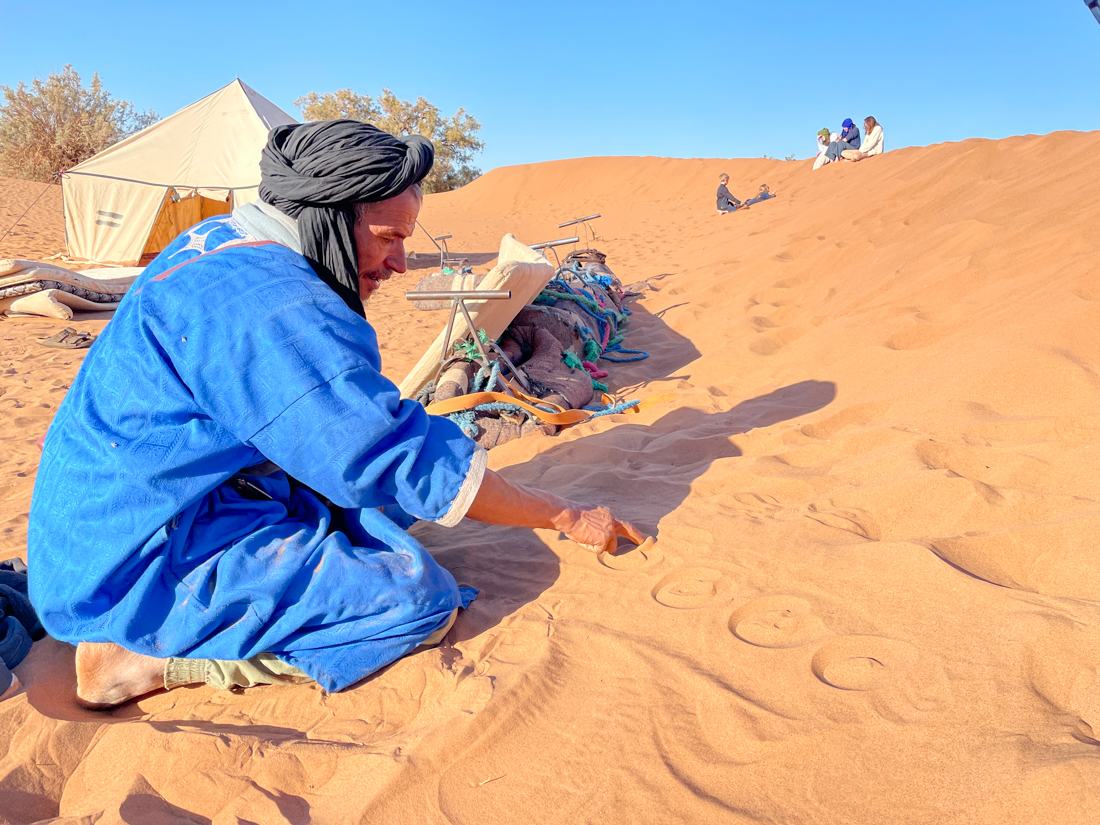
{"x":623,"y":468}
{"x":669,"y":351}
{"x":641,"y":472}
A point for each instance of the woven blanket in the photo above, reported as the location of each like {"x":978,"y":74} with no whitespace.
{"x":40,"y":286}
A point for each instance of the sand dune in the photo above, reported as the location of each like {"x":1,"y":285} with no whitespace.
{"x":875,"y":595}
{"x":41,"y":231}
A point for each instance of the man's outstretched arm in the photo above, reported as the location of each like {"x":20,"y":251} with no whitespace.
{"x":503,"y":502}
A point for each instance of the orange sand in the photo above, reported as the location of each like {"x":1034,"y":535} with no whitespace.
{"x":42,"y":231}
{"x":876,"y":592}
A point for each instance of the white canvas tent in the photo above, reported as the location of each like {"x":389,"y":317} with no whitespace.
{"x":131,"y":200}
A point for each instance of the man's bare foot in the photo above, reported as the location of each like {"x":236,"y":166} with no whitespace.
{"x":108,"y":675}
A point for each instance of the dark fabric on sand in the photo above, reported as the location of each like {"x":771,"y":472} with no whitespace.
{"x":19,"y":625}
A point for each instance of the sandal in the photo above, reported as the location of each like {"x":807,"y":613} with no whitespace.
{"x":68,"y":338}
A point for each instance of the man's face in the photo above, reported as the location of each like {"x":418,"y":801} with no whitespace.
{"x":380,"y":239}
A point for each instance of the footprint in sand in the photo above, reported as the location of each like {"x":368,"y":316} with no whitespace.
{"x":691,"y":587}
{"x":777,"y":622}
{"x":862,"y":662}
{"x":634,"y":558}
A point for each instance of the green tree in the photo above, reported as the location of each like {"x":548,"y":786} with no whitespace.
{"x":454,"y":138}
{"x":54,"y":124}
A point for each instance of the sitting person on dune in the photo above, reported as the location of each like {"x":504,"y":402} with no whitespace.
{"x":726,"y":201}
{"x":224,"y":493}
{"x":872,"y":144}
{"x":765,"y":194}
{"x":849,"y":139}
{"x":825,"y":139}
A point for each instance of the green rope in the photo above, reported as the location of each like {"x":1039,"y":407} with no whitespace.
{"x":571,"y":360}
{"x":592,"y":350}
{"x":468,"y":349}
{"x":549,"y":296}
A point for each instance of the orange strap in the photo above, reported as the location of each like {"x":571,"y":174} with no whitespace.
{"x":562,"y":419}
{"x":476,"y":399}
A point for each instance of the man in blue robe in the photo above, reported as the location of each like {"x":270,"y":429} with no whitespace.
{"x":224,"y":492}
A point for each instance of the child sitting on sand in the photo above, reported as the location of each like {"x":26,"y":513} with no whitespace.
{"x":726,"y":201}
{"x":765,"y":194}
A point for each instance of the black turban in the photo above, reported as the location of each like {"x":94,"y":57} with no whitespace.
{"x":317,"y":172}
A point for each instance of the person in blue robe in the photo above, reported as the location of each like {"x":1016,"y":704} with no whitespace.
{"x":224,"y":493}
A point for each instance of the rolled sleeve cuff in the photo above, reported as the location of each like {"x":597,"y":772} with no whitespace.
{"x":468,"y":491}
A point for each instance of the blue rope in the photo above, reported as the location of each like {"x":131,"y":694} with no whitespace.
{"x":465,"y":420}
{"x":598,"y":280}
{"x":597,"y":411}
{"x":615,"y":409}
{"x":578,"y":270}
{"x":504,"y":406}
{"x":618,"y":317}
{"x":600,"y":322}
{"x":608,"y":319}
{"x":638,"y":355}
{"x":493,"y":375}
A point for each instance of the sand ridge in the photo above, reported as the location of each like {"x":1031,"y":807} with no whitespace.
{"x":874,"y":594}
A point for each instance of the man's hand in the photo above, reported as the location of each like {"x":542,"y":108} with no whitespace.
{"x":500,"y":501}
{"x":595,"y":528}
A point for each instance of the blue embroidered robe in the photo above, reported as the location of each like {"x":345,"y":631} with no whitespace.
{"x":141,"y":535}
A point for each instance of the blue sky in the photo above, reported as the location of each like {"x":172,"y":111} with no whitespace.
{"x":574,"y":79}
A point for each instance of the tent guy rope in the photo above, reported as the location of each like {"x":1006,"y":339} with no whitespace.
{"x":55,"y":179}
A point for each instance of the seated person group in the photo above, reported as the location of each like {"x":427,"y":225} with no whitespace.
{"x":848,"y":145}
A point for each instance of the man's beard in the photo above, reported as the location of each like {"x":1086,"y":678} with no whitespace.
{"x":377,"y":275}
